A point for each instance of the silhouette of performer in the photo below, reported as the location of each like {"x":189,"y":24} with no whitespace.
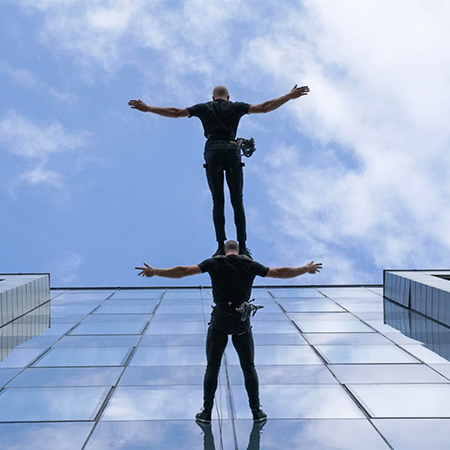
{"x":232,"y":279}
{"x":220,"y":119}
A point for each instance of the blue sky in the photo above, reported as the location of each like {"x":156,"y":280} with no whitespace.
{"x":354,"y":175}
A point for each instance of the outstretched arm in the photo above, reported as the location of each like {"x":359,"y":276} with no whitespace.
{"x":275,"y":103}
{"x":165,"y":111}
{"x":173,"y":272}
{"x":291,"y":272}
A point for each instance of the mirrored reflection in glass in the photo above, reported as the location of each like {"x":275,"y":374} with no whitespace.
{"x":84,"y":294}
{"x":282,"y":402}
{"x":72,"y":309}
{"x":109,"y":328}
{"x":39,"y":342}
{"x":180,"y":309}
{"x":140,"y":435}
{"x":44,"y":436}
{"x":58,"y":329}
{"x":71,"y":357}
{"x":309,"y":435}
{"x":404,"y":400}
{"x":280,"y":339}
{"x":143,"y":294}
{"x":6,"y":375}
{"x":299,"y":374}
{"x":20,"y":358}
{"x":165,"y":376}
{"x":169,"y":356}
{"x":435,"y":336}
{"x":261,"y":326}
{"x":114,"y":318}
{"x":98,"y":341}
{"x":163,"y":340}
{"x":313,"y":304}
{"x":333,"y":326}
{"x":346,"y":338}
{"x":322,"y":316}
{"x":67,"y":318}
{"x":159,"y":403}
{"x":337,"y":292}
{"x":21,"y":330}
{"x":128,"y":309}
{"x":86,"y":376}
{"x":281,"y":355}
{"x":294,"y":292}
{"x":269,"y":316}
{"x":185,"y":317}
{"x":176,"y":328}
{"x":364,"y":354}
{"x":415,"y":434}
{"x":50,"y":404}
{"x":367,"y":305}
{"x":386,"y":374}
{"x":185,"y":293}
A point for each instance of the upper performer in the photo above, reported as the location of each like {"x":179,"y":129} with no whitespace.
{"x":220,"y":120}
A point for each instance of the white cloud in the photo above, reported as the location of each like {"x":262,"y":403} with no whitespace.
{"x":65,"y":269}
{"x":36,"y":145}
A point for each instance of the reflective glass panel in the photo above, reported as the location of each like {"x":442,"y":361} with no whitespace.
{"x":283,"y":402}
{"x":86,"y":376}
{"x":129,"y":309}
{"x":333,"y":326}
{"x":364,"y":354}
{"x":6,"y":375}
{"x":109,"y":328}
{"x":261,"y":326}
{"x":143,"y":294}
{"x":386,"y":374}
{"x":44,"y":436}
{"x":186,"y":317}
{"x":415,"y":434}
{"x":280,"y":339}
{"x":21,"y":358}
{"x":180,"y":309}
{"x":346,"y":338}
{"x":281,"y":355}
{"x":404,"y":400}
{"x":294,"y":292}
{"x":176,"y":328}
{"x":98,"y":341}
{"x":39,"y":342}
{"x":169,"y":356}
{"x":159,"y":403}
{"x":338,"y":292}
{"x":309,"y":434}
{"x":162,"y":340}
{"x":71,"y":357}
{"x":314,"y":304}
{"x":50,"y":404}
{"x":147,"y":435}
{"x":321,"y":316}
{"x":165,"y":375}
{"x":102,"y":318}
{"x":299,"y":374}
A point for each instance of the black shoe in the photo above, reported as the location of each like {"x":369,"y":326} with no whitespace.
{"x":219,"y":252}
{"x":259,"y":415}
{"x":245,"y":251}
{"x":204,"y":416}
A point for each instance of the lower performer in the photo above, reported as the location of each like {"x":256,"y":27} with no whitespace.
{"x":232,"y":279}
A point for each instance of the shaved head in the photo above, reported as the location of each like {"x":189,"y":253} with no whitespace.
{"x":231,"y":245}
{"x":220,"y":92}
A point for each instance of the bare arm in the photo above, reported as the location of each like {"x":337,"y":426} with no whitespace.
{"x":165,"y":111}
{"x":275,"y":103}
{"x":291,"y":272}
{"x":172,"y":272}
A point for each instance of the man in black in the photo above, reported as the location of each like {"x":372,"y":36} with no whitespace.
{"x":232,"y":278}
{"x":220,"y":119}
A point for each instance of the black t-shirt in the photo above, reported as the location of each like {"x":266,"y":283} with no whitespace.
{"x":220,"y":118}
{"x":232,"y":277}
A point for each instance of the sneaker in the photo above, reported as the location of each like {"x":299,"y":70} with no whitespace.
{"x":204,"y":416}
{"x":259,"y":415}
{"x":246,"y":252}
{"x":219,"y":252}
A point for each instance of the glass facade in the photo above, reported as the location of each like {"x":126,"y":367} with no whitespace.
{"x":340,"y":368}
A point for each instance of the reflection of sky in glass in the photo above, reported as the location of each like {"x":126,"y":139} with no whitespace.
{"x":131,"y":362}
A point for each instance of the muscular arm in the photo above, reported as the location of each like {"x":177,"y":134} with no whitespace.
{"x":292,"y":272}
{"x":271,"y":105}
{"x":172,"y":272}
{"x":165,"y":111}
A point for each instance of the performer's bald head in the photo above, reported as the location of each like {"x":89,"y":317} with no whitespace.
{"x":221,"y":92}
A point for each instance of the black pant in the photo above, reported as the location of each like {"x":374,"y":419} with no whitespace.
{"x":220,"y":157}
{"x":221,"y":326}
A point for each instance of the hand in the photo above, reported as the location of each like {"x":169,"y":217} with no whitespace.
{"x":139,"y":105}
{"x":297,"y":92}
{"x":146,"y":271}
{"x":313,"y":268}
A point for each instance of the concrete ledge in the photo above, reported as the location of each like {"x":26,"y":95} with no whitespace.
{"x":424,"y":291}
{"x":21,"y":293}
